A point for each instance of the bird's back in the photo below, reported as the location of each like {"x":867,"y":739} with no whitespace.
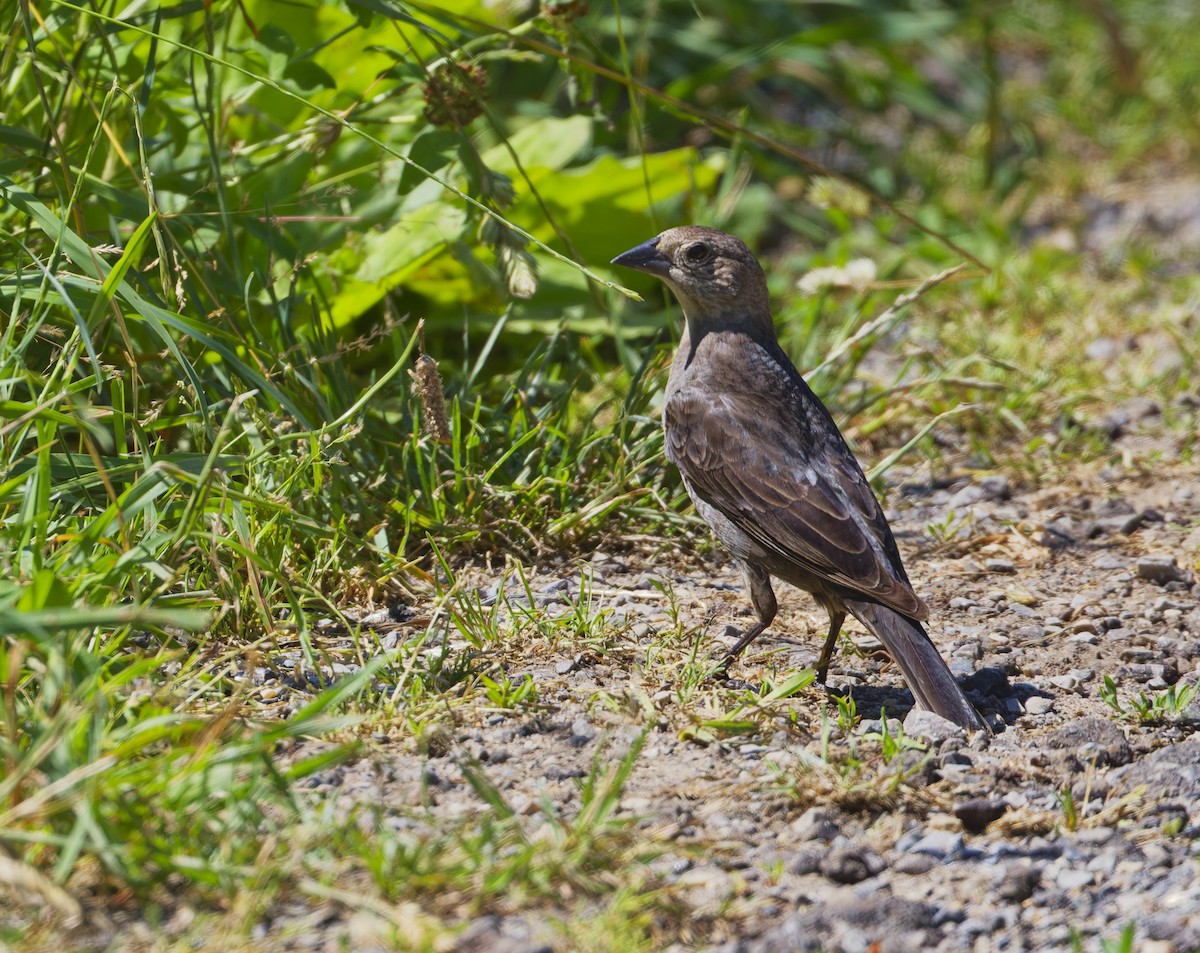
{"x":756,"y":445}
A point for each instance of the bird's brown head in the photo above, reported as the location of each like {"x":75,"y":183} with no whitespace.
{"x":714,"y":275}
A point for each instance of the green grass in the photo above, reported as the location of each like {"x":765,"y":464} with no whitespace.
{"x":227,"y":233}
{"x":1171,"y":704}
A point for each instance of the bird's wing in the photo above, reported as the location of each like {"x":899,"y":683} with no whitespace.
{"x":790,"y":485}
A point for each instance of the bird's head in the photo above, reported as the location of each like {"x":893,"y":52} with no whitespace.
{"x":714,"y":275}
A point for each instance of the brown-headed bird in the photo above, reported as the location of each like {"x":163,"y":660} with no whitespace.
{"x":769,"y":470}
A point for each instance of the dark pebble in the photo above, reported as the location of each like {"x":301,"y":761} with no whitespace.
{"x":1019,"y":882}
{"x":556,"y":772}
{"x":851,"y":865}
{"x":977,"y":813}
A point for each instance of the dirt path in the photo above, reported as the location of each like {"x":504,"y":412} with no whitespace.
{"x":776,"y":827}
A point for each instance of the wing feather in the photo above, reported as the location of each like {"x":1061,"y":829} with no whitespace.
{"x":796,"y":490}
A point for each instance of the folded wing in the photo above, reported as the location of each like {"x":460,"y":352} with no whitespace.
{"x":789,"y":482}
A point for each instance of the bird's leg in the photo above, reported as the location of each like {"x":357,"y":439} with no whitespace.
{"x":836,"y":618}
{"x":762,"y":597}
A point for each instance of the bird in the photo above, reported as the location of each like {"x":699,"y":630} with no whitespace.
{"x":770,"y":472}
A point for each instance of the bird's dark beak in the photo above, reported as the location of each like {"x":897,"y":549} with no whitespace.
{"x":646,"y":257}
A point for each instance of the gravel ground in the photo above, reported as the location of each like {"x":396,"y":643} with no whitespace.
{"x":794,"y":832}
{"x":1067,"y":823}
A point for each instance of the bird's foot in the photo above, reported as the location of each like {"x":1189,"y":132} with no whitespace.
{"x":720,"y":674}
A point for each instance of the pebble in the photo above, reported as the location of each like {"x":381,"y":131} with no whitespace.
{"x":940,"y":844}
{"x":915,"y":864}
{"x":1104,"y":349}
{"x":567,"y":666}
{"x":925,"y":724}
{"x":1145,"y":673}
{"x":1067,"y":682}
{"x":1160,"y":569}
{"x":1133,"y":622}
{"x":806,"y":862}
{"x":977,"y":813}
{"x":815,"y":824}
{"x":851,"y":865}
{"x":582,"y":732}
{"x":961,"y":667}
{"x":1018,"y":882}
{"x":1072,"y":878}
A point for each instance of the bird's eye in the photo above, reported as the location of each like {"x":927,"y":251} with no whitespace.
{"x":696,"y":253}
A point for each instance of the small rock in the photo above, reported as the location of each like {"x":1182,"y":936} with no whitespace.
{"x":961,"y":667}
{"x":814,"y":824}
{"x":582,"y":732}
{"x":851,"y":865}
{"x":977,"y":813}
{"x":940,"y":844}
{"x":806,"y":862}
{"x":915,"y":864}
{"x":965,"y":498}
{"x":1068,"y":682}
{"x":932,"y":727}
{"x":706,"y":886}
{"x":1171,"y":772}
{"x":1059,"y":534}
{"x":1160,"y":569}
{"x":1145,"y":673}
{"x":1018,"y":882}
{"x":999,"y":565}
{"x":1038,"y":705}
{"x":567,"y":666}
{"x":1094,"y":730}
{"x":1073,"y":878}
{"x":1103,"y":349}
{"x":1094,"y":835}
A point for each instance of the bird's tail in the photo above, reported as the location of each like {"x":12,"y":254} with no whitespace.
{"x":924,"y":670}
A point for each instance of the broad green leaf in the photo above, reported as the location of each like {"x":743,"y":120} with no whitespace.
{"x":549,"y":143}
{"x":393,"y":255}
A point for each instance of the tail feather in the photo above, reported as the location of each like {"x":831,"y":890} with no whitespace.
{"x":924,"y":669}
